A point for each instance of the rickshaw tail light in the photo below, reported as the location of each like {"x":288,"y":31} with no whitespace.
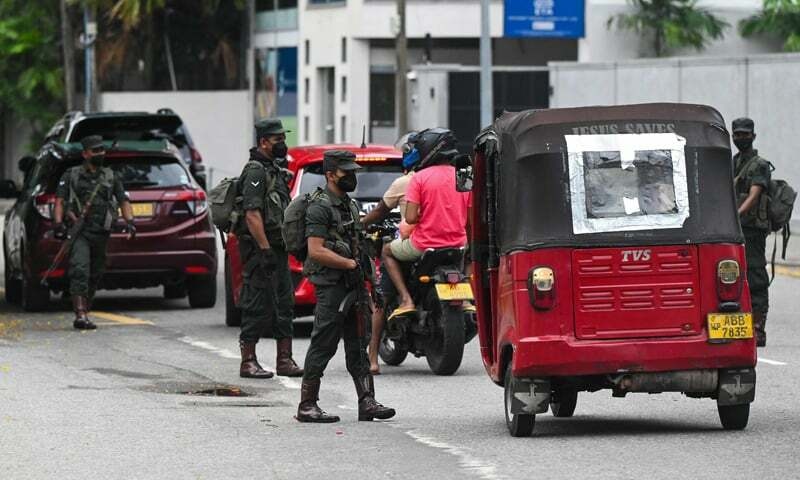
{"x":729,"y":284}
{"x":541,"y":288}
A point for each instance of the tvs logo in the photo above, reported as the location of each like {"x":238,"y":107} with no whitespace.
{"x":636,"y":255}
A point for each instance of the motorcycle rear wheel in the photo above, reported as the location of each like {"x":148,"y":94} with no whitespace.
{"x":445,"y":348}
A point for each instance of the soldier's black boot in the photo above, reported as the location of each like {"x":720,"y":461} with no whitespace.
{"x":250,"y":367}
{"x":368,"y":407}
{"x":81,"y":307}
{"x":760,"y":327}
{"x":285,"y":365}
{"x":308,"y":410}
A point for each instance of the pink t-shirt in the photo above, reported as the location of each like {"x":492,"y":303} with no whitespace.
{"x":442,"y":209}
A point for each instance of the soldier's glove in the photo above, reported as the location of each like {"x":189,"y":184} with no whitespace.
{"x":268,"y":260}
{"x":60,"y":231}
{"x":130,"y":229}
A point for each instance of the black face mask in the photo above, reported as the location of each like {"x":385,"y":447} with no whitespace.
{"x":279,"y":150}
{"x":743,"y":143}
{"x":347,"y":183}
{"x":97,"y":160}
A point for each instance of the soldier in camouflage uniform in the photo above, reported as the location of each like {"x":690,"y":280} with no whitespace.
{"x":89,"y":182}
{"x":332,"y":229}
{"x":752,"y":181}
{"x":267,"y":290}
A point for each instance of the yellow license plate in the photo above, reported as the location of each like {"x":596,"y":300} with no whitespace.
{"x":730,"y":326}
{"x":454,"y":291}
{"x":142,"y":209}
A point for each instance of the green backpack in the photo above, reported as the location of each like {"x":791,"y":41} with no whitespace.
{"x":225,"y":201}
{"x":294,"y":225}
{"x":780,"y":204}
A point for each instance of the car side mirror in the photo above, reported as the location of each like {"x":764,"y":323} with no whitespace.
{"x":8,"y":189}
{"x":463,"y":164}
{"x":26,"y":163}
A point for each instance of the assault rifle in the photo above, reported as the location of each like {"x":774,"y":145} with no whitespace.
{"x":77,"y":226}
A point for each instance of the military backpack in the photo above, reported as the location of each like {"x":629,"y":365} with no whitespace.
{"x":225,"y":201}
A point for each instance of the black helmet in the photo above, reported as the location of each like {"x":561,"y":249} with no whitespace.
{"x":435,"y":145}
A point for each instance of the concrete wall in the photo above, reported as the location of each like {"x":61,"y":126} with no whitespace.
{"x":220,"y":122}
{"x":763,"y":87}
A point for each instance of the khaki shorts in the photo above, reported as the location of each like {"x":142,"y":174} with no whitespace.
{"x":404,"y":251}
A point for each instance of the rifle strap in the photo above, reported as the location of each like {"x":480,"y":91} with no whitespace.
{"x":772,"y":261}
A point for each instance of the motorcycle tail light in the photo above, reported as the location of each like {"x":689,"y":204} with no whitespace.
{"x":541,"y":288}
{"x":729,"y":281}
{"x":453,"y":277}
{"x":45,"y":203}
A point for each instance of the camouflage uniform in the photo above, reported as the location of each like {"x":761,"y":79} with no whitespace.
{"x":336,"y":219}
{"x":750,"y":169}
{"x":87,"y":257}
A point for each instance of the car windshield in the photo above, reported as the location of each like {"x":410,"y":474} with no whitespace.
{"x":146,"y":172}
{"x":373,"y":180}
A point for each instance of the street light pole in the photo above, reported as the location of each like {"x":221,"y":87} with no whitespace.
{"x":401,"y":85}
{"x":487,"y":105}
{"x":89,"y":36}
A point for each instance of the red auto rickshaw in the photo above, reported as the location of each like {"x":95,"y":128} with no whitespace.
{"x":607,"y":254}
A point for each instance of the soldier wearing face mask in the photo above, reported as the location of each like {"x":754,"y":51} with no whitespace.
{"x":97,"y":186}
{"x":267,"y":296}
{"x":753,"y":175}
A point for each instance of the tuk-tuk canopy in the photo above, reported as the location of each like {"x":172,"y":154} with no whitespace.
{"x":612,"y":176}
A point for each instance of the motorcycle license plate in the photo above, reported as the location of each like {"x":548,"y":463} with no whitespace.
{"x":454,"y":291}
{"x":730,"y":326}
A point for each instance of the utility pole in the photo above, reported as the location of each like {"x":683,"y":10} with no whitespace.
{"x":487,"y":103}
{"x":68,"y":51}
{"x":401,"y":84}
{"x":88,"y":39}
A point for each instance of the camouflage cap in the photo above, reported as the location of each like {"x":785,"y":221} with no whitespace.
{"x":339,"y":159}
{"x":269,"y":126}
{"x":92,"y":142}
{"x":743,"y":124}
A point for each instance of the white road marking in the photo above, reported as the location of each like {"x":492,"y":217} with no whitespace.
{"x":771,"y":362}
{"x":468,"y":463}
{"x":287,"y":382}
{"x":345,"y":407}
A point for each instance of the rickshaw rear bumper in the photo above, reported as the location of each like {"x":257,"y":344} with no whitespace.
{"x":567,"y":356}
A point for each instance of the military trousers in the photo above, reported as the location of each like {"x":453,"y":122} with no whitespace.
{"x":87,"y":263}
{"x":329,"y":327}
{"x":755,"y":244}
{"x":267,"y":298}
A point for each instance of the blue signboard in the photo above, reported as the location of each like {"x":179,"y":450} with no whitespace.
{"x":544,"y":18}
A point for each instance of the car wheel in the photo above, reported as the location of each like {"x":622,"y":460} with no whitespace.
{"x":174,"y":291}
{"x":13,"y":286}
{"x":734,"y":417}
{"x":233,"y":314}
{"x":519,"y":425}
{"x":34,"y":296}
{"x":202,"y":291}
{"x":564,"y":403}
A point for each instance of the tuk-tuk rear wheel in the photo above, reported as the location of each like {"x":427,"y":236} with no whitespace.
{"x":519,"y":425}
{"x":734,"y":417}
{"x":564,"y":406}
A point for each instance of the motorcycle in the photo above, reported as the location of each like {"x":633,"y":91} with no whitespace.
{"x":441,"y":291}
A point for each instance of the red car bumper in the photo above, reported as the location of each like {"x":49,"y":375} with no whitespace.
{"x":567,"y":356}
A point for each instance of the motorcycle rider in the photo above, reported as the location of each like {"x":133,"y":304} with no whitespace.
{"x":395,"y":197}
{"x":434,"y":207}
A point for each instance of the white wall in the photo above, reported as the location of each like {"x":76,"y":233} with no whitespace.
{"x":220,"y":122}
{"x":763,"y":87}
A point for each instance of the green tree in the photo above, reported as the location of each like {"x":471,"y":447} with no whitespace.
{"x":31,"y":75}
{"x":779,"y":18}
{"x":671,"y":24}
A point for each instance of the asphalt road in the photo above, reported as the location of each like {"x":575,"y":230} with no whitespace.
{"x":113,"y":403}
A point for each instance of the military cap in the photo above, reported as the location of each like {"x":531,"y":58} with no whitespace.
{"x":341,"y":159}
{"x":92,"y":142}
{"x":269,"y":126}
{"x":743,"y":124}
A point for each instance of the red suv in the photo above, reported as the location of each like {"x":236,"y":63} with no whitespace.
{"x":175,"y":245}
{"x":382,"y":164}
